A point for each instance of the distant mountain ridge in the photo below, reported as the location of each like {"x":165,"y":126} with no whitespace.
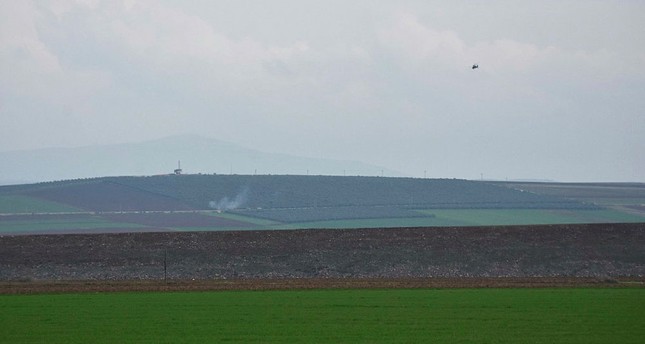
{"x":197,"y":155}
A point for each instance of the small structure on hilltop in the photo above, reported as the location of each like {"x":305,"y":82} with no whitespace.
{"x":178,"y":169}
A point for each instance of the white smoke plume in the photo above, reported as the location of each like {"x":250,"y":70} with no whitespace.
{"x":229,"y":204}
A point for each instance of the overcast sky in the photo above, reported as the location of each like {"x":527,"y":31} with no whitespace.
{"x":560,"y":92}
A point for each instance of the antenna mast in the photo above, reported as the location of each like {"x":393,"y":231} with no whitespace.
{"x":178,"y":170}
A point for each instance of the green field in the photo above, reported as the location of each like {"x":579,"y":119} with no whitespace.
{"x":81,"y":222}
{"x":489,"y":217}
{"x":365,"y":223}
{"x":266,"y":202}
{"x":442,"y":218}
{"x":25,"y":204}
{"x":479,"y":217}
{"x":332,"y":316}
{"x":241,"y":218}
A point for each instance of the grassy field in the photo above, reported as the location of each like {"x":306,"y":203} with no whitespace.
{"x":480,"y":217}
{"x":26,"y":204}
{"x":236,"y":217}
{"x":603,"y":194}
{"x":442,"y":217}
{"x":82,"y":222}
{"x":299,"y":202}
{"x":397,"y":315}
{"x":486,"y":217}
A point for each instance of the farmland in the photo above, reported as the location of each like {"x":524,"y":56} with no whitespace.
{"x":63,"y":223}
{"x":232,"y":202}
{"x":371,"y":275}
{"x":225,"y":192}
{"x":624,"y":197}
{"x":25,"y":204}
{"x":398,"y":315}
{"x":332,"y":213}
{"x":599,"y":251}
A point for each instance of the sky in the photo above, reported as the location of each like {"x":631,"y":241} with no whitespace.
{"x":559,"y":93}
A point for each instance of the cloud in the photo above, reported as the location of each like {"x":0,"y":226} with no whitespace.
{"x":414,"y":42}
{"x":520,"y":69}
{"x":31,"y":70}
{"x":22,"y":51}
{"x":431,"y":49}
{"x":84,"y":47}
{"x":329,"y":80}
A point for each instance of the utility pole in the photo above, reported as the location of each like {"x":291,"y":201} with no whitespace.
{"x":165,"y":269}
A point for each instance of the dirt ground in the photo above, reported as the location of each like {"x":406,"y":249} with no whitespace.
{"x":511,"y":256}
{"x":314,"y":283}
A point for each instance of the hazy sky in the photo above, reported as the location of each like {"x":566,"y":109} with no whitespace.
{"x":560,"y":92}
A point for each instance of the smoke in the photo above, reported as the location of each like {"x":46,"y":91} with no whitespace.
{"x":229,"y":204}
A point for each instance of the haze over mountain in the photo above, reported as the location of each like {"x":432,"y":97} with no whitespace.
{"x":558,"y":94}
{"x":197,"y":154}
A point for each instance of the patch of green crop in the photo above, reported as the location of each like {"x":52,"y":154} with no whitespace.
{"x":615,"y":201}
{"x":212,"y":229}
{"x":611,"y":215}
{"x":10,"y":204}
{"x":76,"y":223}
{"x":491,"y":217}
{"x":330,"y":316}
{"x":369,"y":223}
{"x":242,"y":218}
{"x":479,"y":217}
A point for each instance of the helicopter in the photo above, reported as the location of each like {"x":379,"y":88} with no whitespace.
{"x":475,"y":66}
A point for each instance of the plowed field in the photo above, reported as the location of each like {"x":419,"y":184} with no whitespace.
{"x":396,"y":257}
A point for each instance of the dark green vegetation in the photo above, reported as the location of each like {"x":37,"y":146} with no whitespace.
{"x":226,"y":202}
{"x":333,"y":316}
{"x":16,"y":203}
{"x":623,"y":197}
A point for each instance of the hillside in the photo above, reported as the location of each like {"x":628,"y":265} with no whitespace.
{"x":236,"y":202}
{"x":613,"y":194}
{"x":250,"y":192}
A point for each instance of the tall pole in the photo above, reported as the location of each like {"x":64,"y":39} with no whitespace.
{"x":165,"y":269}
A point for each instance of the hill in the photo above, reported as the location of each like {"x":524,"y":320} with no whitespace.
{"x":230,"y":202}
{"x":268,"y":192}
